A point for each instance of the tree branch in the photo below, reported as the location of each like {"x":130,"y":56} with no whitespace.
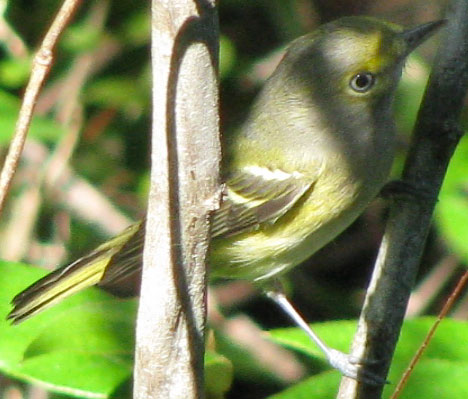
{"x":41,"y":67}
{"x":184,"y":189}
{"x":436,"y":135}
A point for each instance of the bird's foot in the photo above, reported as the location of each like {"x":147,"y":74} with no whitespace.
{"x":354,"y":368}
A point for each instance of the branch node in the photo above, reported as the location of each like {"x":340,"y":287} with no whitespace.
{"x":44,"y":58}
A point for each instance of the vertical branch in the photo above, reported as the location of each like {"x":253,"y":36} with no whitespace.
{"x":41,"y":67}
{"x":184,"y":189}
{"x":435,"y":137}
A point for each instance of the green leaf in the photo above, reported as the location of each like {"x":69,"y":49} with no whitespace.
{"x":324,"y":385}
{"x":227,"y":56}
{"x":218,"y":375}
{"x":14,"y":72}
{"x":136,"y":29}
{"x":82,"y":347}
{"x":431,"y":379}
{"x":337,"y":334}
{"x":452,"y":208}
{"x":435,"y":379}
{"x":80,"y":38}
{"x":439,"y":373}
{"x":42,"y":128}
{"x":116,"y":92}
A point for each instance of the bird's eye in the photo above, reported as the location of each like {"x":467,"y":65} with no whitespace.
{"x":362,"y":82}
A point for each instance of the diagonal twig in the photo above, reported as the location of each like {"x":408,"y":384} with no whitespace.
{"x":41,"y":67}
{"x":445,"y":309}
{"x":435,"y":137}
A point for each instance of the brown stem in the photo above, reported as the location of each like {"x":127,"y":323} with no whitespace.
{"x":41,"y":67}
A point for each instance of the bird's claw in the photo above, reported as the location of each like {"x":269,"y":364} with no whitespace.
{"x":354,"y":368}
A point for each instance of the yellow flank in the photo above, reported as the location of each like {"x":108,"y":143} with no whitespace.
{"x":324,"y":211}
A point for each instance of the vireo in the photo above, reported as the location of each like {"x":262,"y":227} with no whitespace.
{"x":315,"y":150}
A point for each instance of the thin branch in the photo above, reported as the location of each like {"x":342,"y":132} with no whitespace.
{"x":48,"y":171}
{"x":445,"y":309}
{"x":41,"y":67}
{"x":184,"y":189}
{"x":435,"y":137}
{"x":461,"y":310}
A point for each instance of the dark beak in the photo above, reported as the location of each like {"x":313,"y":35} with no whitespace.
{"x":415,"y":36}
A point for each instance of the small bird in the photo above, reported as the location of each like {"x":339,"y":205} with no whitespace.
{"x":316,"y":148}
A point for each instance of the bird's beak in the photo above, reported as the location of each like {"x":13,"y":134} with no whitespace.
{"x":415,"y":36}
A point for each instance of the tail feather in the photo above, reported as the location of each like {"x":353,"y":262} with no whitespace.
{"x":52,"y":290}
{"x":84,"y":272}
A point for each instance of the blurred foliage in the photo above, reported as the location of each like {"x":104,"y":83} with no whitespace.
{"x":445,"y":361}
{"x":44,"y":129}
{"x":83,"y":347}
{"x":452,"y":211}
{"x":104,"y":58}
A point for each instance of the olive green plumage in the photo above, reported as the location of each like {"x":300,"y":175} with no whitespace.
{"x":315,"y":150}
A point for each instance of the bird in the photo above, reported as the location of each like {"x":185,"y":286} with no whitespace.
{"x":314,"y":151}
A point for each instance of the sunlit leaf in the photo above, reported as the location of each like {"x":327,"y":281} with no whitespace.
{"x":446,"y":355}
{"x":82,"y":347}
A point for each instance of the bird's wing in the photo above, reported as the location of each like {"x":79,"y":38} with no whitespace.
{"x":254,"y":196}
{"x":251,"y":197}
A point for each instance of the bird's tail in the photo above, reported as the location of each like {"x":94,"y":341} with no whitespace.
{"x":111,"y":261}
